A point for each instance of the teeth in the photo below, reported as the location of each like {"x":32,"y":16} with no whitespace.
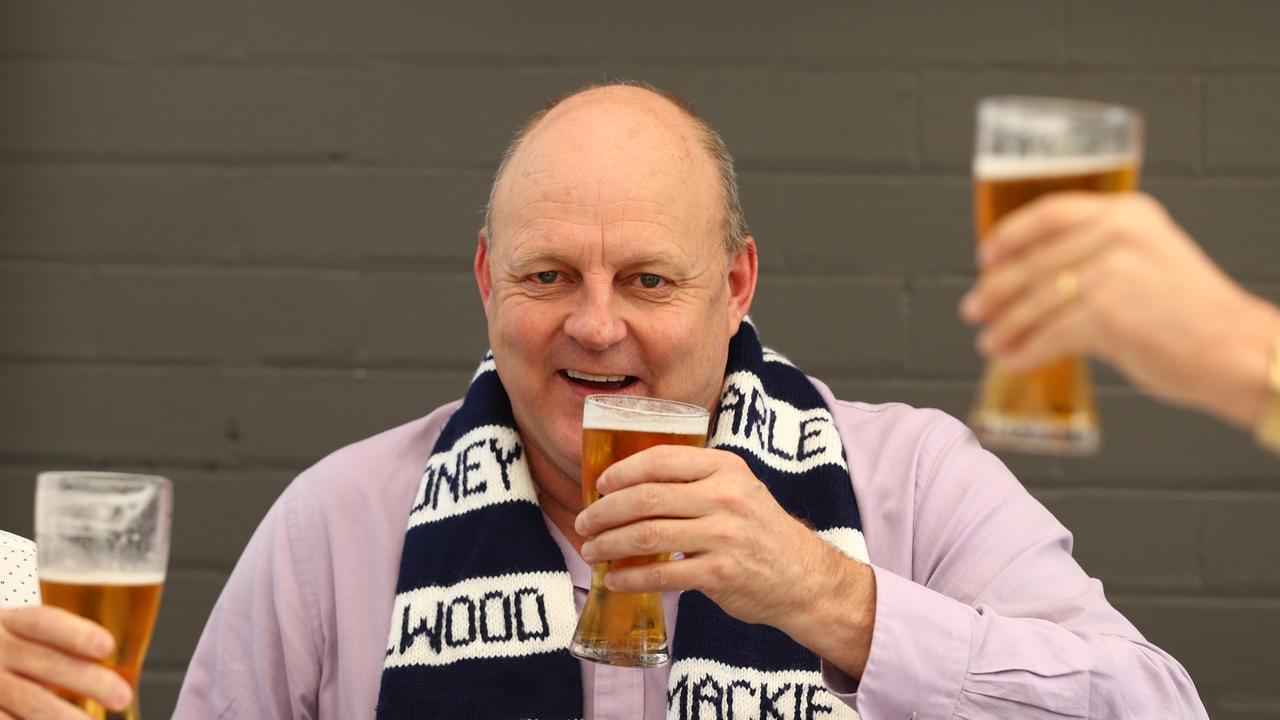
{"x":576,"y":375}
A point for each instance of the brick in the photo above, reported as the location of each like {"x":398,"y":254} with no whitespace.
{"x":17,"y":499}
{"x":1187,"y":33}
{"x":456,"y":115}
{"x":467,"y":115}
{"x":872,"y":225}
{"x":79,"y":415}
{"x":571,"y":29}
{"x":45,"y":312}
{"x":160,"y":214}
{"x":1248,"y":709}
{"x":1225,"y":644}
{"x":365,"y":218}
{"x":1241,"y":115}
{"x":955,"y":399}
{"x":217,"y":511}
{"x":301,"y":416}
{"x":861,"y":332}
{"x":941,"y":343}
{"x":156,"y":111}
{"x":196,"y":314}
{"x":1142,"y":541}
{"x":760,"y":195}
{"x":433,"y":320}
{"x":1239,"y":542}
{"x":823,"y":119}
{"x":1147,"y":442}
{"x":1171,"y":103}
{"x":1232,"y":219}
{"x":189,"y":596}
{"x":159,"y":690}
{"x":133,"y":28}
{"x":927,"y":31}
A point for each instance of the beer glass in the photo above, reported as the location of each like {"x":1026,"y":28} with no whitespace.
{"x":627,"y":628}
{"x":1027,"y":147}
{"x":103,"y":544}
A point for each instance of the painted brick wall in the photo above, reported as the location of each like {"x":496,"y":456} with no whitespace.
{"x":236,"y":235}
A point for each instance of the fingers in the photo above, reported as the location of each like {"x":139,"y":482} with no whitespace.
{"x":60,"y":629}
{"x":649,"y":537}
{"x":1003,"y":286}
{"x":1063,"y":333}
{"x":21,"y":698}
{"x":80,"y":676}
{"x":1042,"y":218}
{"x":669,"y":575}
{"x":662,"y":463}
{"x":646,"y":500}
{"x":1037,"y":306}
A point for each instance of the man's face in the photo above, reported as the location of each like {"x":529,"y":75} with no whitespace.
{"x":606,"y":271}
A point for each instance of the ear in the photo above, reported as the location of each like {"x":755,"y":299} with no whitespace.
{"x":744,"y":270}
{"x":483,"y":281}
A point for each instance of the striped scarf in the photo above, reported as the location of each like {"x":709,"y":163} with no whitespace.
{"x":484,"y":609}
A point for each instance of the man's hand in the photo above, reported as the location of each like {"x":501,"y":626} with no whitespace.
{"x":741,"y":549}
{"x":1113,"y":276}
{"x":43,"y":647}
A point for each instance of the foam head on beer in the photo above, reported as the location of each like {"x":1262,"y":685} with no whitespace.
{"x":639,"y":414}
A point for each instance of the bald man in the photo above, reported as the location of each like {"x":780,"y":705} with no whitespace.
{"x":835,"y":557}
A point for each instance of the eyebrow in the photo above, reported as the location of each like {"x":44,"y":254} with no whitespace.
{"x":529,"y":257}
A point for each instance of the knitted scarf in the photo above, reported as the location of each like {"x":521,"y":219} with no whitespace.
{"x":484,"y":609}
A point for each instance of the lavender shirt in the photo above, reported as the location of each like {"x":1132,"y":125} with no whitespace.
{"x":981,"y":611}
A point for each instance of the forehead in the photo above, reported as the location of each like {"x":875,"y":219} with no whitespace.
{"x":622,"y":159}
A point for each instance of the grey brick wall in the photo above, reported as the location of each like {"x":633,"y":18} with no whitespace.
{"x":231,"y":235}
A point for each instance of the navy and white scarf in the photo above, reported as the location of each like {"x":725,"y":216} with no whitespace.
{"x":484,"y":609}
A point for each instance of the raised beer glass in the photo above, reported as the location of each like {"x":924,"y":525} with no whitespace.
{"x":1027,"y":147}
{"x":103,"y":544}
{"x":627,"y":628}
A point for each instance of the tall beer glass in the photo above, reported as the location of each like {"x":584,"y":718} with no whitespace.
{"x":627,"y":628}
{"x":1027,"y":147}
{"x":103,"y":544}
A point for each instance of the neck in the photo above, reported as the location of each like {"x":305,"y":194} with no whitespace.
{"x":559,"y":494}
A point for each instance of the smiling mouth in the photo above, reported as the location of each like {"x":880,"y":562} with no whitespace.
{"x":598,"y":383}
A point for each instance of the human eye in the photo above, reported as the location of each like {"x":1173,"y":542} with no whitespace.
{"x":545,"y":277}
{"x":649,"y":281}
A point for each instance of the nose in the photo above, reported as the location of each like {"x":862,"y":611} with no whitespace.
{"x":594,"y":324}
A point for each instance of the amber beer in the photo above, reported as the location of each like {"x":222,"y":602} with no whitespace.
{"x":103,"y":540}
{"x":1060,"y":395}
{"x":126,"y":605}
{"x":627,"y":628}
{"x":1029,"y":147}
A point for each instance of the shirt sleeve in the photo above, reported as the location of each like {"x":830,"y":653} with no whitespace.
{"x":259,"y":655}
{"x":998,"y":620}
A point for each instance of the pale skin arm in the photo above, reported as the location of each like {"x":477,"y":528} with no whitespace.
{"x":741,"y":549}
{"x":1150,"y":303}
{"x":47,"y":646}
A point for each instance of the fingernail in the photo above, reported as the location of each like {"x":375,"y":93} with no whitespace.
{"x":580,"y":525}
{"x":602,"y":483}
{"x":103,"y":643}
{"x":122,"y":696}
{"x":986,"y":254}
{"x":970,"y":305}
{"x":986,"y":343}
{"x":587,"y":551}
{"x":610,"y":581}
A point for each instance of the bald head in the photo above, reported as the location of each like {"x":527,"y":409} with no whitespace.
{"x":634,"y":128}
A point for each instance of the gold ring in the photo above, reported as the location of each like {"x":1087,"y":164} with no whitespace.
{"x":1069,"y":285}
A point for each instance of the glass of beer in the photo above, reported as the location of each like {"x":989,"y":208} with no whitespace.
{"x":103,"y":544}
{"x":1027,"y":147}
{"x":627,"y":628}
